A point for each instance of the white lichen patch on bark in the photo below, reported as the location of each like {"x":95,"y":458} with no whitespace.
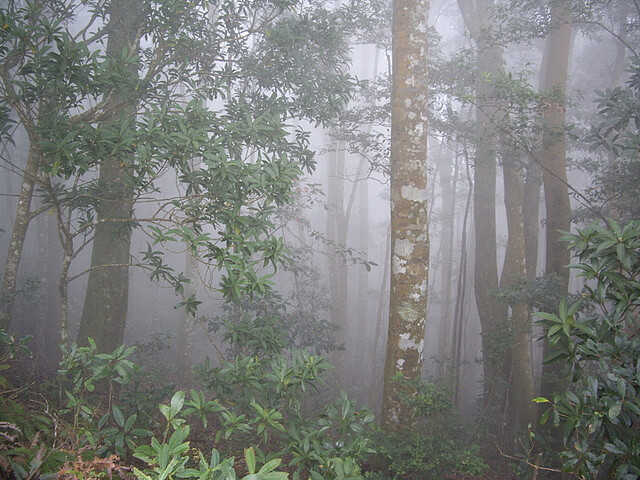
{"x":400,"y":363}
{"x":399,"y":265}
{"x":405,"y":344}
{"x":409,"y":313}
{"x":413,"y":194}
{"x":403,"y":247}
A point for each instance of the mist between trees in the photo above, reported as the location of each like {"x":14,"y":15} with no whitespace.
{"x":371,"y":239}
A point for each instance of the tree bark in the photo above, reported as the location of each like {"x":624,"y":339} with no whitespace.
{"x":492,"y":311}
{"x":409,"y":232}
{"x":515,"y":273}
{"x":18,"y":233}
{"x":531,"y":218}
{"x":337,"y":229}
{"x":554,"y":175}
{"x":184,"y":337}
{"x":459,"y":318}
{"x":105,"y":308}
{"x":447,"y":187}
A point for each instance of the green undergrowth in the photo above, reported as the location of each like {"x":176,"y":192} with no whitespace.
{"x":105,"y":416}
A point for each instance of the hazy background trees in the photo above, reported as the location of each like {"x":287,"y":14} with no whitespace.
{"x":168,"y":169}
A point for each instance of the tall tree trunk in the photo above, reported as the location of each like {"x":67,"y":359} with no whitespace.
{"x":18,"y":233}
{"x":105,"y":307}
{"x":185,"y":326}
{"x":337,"y":229}
{"x":363,"y":325}
{"x":447,"y":187}
{"x":514,"y":273}
{"x":492,"y":311}
{"x":531,"y":218}
{"x":409,"y":231}
{"x":457,"y":354}
{"x":382,"y":318}
{"x":556,"y":192}
{"x":554,"y":175}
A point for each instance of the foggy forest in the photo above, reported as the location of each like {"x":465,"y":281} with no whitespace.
{"x":319,"y":240}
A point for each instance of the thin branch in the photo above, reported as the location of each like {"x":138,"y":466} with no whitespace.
{"x":612,"y":33}
{"x":526,"y":461}
{"x":111,"y":265}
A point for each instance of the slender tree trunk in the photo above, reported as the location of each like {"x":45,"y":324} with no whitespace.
{"x":461,"y":290}
{"x":63,"y":290}
{"x":337,"y":228}
{"x":18,"y":233}
{"x":409,"y":232}
{"x":491,"y":310}
{"x":381,"y":320}
{"x":447,"y":187}
{"x":531,"y":218}
{"x":556,"y":192}
{"x":184,"y":331}
{"x":105,"y":308}
{"x":554,"y":175}
{"x":363,"y":325}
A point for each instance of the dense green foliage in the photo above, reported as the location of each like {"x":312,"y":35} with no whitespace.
{"x":253,"y":404}
{"x":616,"y":136}
{"x":436,"y":446}
{"x":259,"y":406}
{"x":597,"y":339}
{"x":209,"y":116}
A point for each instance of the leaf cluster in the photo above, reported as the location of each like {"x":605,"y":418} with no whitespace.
{"x":599,"y":414}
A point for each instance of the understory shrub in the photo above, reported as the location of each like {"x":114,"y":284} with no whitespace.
{"x":598,"y":341}
{"x":432,"y":448}
{"x":249,"y":422}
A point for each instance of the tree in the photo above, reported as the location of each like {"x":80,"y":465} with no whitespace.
{"x":25,"y":104}
{"x":554,"y":163}
{"x":409,"y":231}
{"x":493,"y":312}
{"x":514,"y":274}
{"x":205,"y":104}
{"x":615,"y":135}
{"x":106,"y":301}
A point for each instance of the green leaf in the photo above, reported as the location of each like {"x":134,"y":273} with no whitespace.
{"x":614,"y":411}
{"x":118,"y":416}
{"x":130,"y":421}
{"x":540,"y":400}
{"x":250,"y":458}
{"x":611,"y":448}
{"x":275,"y":476}
{"x":177,"y":401}
{"x":547,"y":316}
{"x":270,"y":466}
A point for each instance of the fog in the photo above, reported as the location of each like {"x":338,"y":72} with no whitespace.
{"x":328,"y":284}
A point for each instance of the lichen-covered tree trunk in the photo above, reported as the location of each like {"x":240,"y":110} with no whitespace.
{"x":18,"y":234}
{"x":409,"y":233}
{"x":105,"y":308}
{"x":554,"y":174}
